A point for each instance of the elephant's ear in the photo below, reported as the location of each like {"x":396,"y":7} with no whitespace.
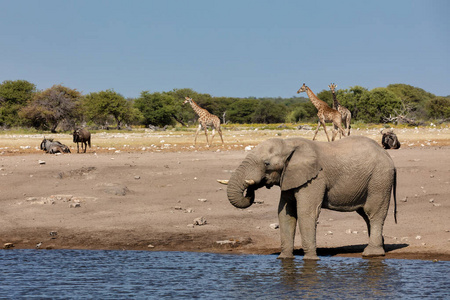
{"x":301,"y":166}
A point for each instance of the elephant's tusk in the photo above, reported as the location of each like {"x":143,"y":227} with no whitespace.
{"x":222,"y":181}
{"x":250,"y":182}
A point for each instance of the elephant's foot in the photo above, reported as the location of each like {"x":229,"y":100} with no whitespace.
{"x":311,"y":257}
{"x":373,"y":251}
{"x":286,"y":256}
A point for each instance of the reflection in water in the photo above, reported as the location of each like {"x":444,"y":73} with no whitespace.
{"x":140,"y":274}
{"x":337,"y":277}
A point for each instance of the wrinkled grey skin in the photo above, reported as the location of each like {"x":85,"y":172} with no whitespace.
{"x":52,"y":147}
{"x":82,"y":136}
{"x":353,"y":174}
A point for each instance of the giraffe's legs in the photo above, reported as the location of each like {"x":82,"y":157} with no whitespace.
{"x":341,"y":130}
{"x":213,"y":133}
{"x":196,"y":134}
{"x":340,"y":133}
{"x":324,"y":129}
{"x":206,"y":134}
{"x":335,"y":132}
{"x":219,"y":130}
{"x":338,"y":127}
{"x":317,"y":129}
{"x":347,"y":122}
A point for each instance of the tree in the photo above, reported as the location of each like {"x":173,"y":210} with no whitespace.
{"x":269,"y":112}
{"x":305,"y":111}
{"x":438,"y":108}
{"x":350,"y":99}
{"x":14,"y":95}
{"x":242,"y":110}
{"x":413,"y":98}
{"x":101,"y":106}
{"x":157,"y":108}
{"x":377,"y":104}
{"x":50,"y":107}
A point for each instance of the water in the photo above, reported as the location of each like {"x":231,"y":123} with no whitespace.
{"x":87,"y":274}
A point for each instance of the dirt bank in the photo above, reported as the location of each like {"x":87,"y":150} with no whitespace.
{"x":148,"y":200}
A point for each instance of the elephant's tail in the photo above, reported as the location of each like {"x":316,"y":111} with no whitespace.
{"x":395,"y":195}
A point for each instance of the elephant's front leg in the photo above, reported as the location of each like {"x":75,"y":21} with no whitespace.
{"x":287,"y":218}
{"x":309,"y":202}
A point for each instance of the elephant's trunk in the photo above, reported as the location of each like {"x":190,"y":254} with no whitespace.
{"x":243,"y":183}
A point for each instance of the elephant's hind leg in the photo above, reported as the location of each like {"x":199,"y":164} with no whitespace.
{"x":366,"y":219}
{"x":375,"y":221}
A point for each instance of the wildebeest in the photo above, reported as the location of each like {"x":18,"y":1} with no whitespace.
{"x":82,"y":136}
{"x":389,"y":140}
{"x":52,"y":147}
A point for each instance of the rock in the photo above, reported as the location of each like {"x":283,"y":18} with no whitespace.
{"x":115,"y":189}
{"x":418,"y":237}
{"x":232,"y":242}
{"x":177,"y":208}
{"x":304,"y":127}
{"x":37,"y":200}
{"x":53,"y":234}
{"x":41,"y":162}
{"x":404,"y":199}
{"x":202,"y":200}
{"x":348,"y":231}
{"x":63,"y":198}
{"x":74,"y":205}
{"x":200,"y":221}
{"x":190,"y":225}
{"x":83,"y":199}
{"x":274,"y":226}
{"x":431,"y":200}
{"x":189,"y":210}
{"x":137,"y":177}
{"x":8,"y":245}
{"x":150,"y":246}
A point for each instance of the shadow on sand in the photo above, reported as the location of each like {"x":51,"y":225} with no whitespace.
{"x":352,"y":250}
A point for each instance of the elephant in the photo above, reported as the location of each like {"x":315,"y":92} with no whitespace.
{"x":52,"y":147}
{"x":352,"y":174}
{"x":83,"y":136}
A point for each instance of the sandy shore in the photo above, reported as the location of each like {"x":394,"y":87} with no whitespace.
{"x":144,"y":192}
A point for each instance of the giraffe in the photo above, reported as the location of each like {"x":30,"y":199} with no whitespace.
{"x":205,"y":119}
{"x":345,"y":113}
{"x":325,"y":113}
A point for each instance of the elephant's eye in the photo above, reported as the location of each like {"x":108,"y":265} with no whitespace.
{"x":266,"y":163}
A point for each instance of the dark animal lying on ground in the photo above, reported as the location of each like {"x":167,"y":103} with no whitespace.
{"x":389,"y":140}
{"x":52,"y":147}
{"x":82,"y":136}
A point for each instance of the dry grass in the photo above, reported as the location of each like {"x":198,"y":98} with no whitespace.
{"x":235,"y":138}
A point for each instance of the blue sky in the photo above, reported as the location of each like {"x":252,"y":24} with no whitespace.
{"x":233,"y":48}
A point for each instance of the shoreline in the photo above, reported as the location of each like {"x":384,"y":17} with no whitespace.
{"x":142,"y":200}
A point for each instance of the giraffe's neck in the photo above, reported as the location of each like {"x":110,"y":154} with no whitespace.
{"x":335,"y":100}
{"x":315,"y":101}
{"x":198,"y":110}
